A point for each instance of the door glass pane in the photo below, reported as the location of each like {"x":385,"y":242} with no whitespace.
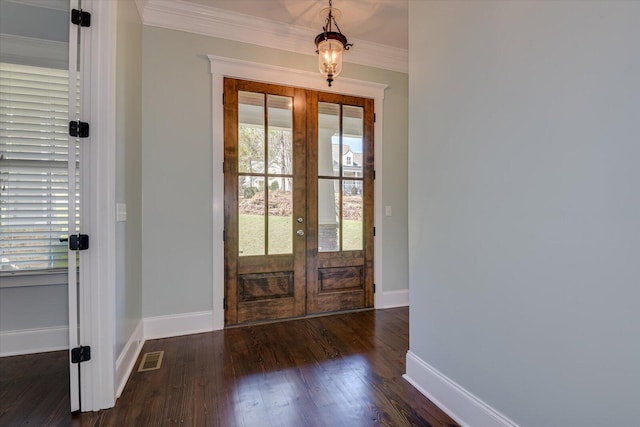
{"x":251,"y":216}
{"x":280,"y":134}
{"x":328,"y":215}
{"x":250,"y":132}
{"x":352,"y":209}
{"x":280,"y":216}
{"x":328,"y":139}
{"x":352,"y":153}
{"x":280,"y":161}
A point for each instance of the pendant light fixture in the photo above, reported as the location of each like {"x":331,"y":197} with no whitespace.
{"x":330,"y":45}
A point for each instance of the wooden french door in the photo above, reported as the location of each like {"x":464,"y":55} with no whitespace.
{"x":340,"y":202}
{"x":298,"y":202}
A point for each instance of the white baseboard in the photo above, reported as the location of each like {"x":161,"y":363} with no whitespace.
{"x":458,"y":403}
{"x":28,"y":341}
{"x":178,"y":324}
{"x":127,"y":359}
{"x":392,"y":299}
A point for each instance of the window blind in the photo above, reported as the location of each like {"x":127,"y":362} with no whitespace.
{"x":33,"y":167}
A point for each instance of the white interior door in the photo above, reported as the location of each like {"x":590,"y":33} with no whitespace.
{"x":73,"y":215}
{"x":39,"y":75}
{"x":75,"y":211}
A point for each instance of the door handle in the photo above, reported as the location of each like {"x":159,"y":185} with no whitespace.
{"x":300,"y":233}
{"x":300,"y":220}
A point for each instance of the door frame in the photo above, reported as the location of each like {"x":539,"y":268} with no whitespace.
{"x":227,"y":67}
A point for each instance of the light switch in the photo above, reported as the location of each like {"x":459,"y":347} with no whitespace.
{"x":387,"y":211}
{"x":121,"y":212}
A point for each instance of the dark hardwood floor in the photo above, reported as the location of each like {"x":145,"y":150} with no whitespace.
{"x":339,"y":370}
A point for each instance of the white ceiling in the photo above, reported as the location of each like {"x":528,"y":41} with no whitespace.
{"x":377,"y":21}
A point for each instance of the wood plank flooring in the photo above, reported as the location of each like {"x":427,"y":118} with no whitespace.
{"x":339,"y":370}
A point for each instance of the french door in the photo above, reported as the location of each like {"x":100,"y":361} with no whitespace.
{"x":298,"y":202}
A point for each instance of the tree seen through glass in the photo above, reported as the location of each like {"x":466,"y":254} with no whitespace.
{"x":265,"y":226}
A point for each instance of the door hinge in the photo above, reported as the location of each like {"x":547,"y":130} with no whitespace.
{"x":374,"y":231}
{"x":79,"y":129}
{"x":374,"y":174}
{"x":223,"y":171}
{"x":80,"y":18}
{"x":374,"y":288}
{"x":78,"y":242}
{"x":374,"y":117}
{"x":224,"y":303}
{"x":80,"y":354}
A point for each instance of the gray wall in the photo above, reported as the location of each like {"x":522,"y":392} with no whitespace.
{"x":525,"y":210}
{"x":128,"y":171}
{"x":33,"y":307}
{"x":177,"y":165}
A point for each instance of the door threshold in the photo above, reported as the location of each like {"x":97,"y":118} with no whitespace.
{"x":289,"y":319}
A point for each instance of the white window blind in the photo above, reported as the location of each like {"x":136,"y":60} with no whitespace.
{"x":33,"y":167}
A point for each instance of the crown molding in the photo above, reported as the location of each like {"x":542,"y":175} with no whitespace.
{"x":194,"y":18}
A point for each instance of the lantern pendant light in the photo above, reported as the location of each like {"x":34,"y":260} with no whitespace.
{"x":331,"y":45}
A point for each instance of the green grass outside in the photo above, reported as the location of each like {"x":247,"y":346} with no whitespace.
{"x":251,"y":231}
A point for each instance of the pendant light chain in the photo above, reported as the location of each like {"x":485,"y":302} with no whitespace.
{"x":328,"y":23}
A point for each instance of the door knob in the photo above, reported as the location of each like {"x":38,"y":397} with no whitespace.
{"x":300,"y":220}
{"x":300,"y":233}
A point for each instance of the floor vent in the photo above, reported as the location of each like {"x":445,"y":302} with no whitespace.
{"x":151,"y":361}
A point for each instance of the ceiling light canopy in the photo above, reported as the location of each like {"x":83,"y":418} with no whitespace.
{"x":330,"y":45}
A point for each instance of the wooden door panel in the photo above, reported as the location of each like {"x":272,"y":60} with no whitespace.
{"x":340,"y":259}
{"x":339,"y":279}
{"x":334,"y":279}
{"x":257,"y":311}
{"x":339,"y":301}
{"x":246,"y":265}
{"x":268,"y":286}
{"x":262,"y":286}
